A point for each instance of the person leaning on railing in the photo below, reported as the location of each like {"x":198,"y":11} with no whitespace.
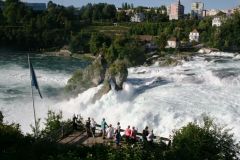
{"x":103,"y":127}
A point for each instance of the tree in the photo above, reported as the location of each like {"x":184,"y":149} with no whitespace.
{"x":87,"y":11}
{"x":96,"y":42}
{"x":14,"y":11}
{"x":109,"y":11}
{"x":110,"y":54}
{"x":161,"y":41}
{"x":80,"y":42}
{"x":53,"y":122}
{"x":122,"y":16}
{"x":1,"y":17}
{"x":1,"y":118}
{"x":207,"y":141}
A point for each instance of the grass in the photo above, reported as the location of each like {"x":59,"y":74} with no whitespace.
{"x":109,"y":29}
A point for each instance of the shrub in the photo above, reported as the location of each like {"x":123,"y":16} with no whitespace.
{"x":196,"y":142}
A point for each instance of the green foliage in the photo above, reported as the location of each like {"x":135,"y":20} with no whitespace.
{"x":126,"y":48}
{"x":36,"y":129}
{"x":122,"y":17}
{"x":197,"y":142}
{"x":14,"y":11}
{"x":1,"y":117}
{"x":26,"y":29}
{"x":9,"y":135}
{"x":119,"y":66}
{"x":97,"y":41}
{"x":100,"y":11}
{"x":53,"y":122}
{"x":161,"y":41}
{"x":79,"y":43}
{"x":191,"y":142}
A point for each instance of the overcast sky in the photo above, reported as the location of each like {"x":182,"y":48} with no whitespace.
{"x":209,"y":4}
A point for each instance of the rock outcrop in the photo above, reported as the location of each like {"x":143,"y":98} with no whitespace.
{"x":117,"y":73}
{"x":89,"y":77}
{"x":97,"y":73}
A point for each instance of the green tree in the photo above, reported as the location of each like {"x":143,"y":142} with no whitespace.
{"x":109,"y":11}
{"x":122,"y":17}
{"x":96,"y":42}
{"x":14,"y":11}
{"x":53,"y":122}
{"x":79,"y":43}
{"x":196,"y":142}
{"x":161,"y":41}
{"x":1,"y":118}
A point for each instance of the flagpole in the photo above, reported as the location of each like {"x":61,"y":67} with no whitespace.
{"x":34,"y":111}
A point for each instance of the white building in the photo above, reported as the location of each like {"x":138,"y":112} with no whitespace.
{"x":217,"y":22}
{"x":138,"y":17}
{"x":194,"y":36}
{"x":172,"y":43}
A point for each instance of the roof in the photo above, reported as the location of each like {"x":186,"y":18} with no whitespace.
{"x":172,"y":39}
{"x":145,"y":37}
{"x":194,"y":31}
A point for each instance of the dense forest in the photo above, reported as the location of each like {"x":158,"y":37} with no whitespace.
{"x":91,"y":29}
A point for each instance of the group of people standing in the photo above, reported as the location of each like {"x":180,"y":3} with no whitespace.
{"x":109,"y":132}
{"x":130,"y":134}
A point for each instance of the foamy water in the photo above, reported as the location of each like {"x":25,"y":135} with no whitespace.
{"x":164,"y":98}
{"x":168,"y":98}
{"x":15,"y":90}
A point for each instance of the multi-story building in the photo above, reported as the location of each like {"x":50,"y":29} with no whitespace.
{"x":197,"y":10}
{"x":176,"y":11}
{"x":194,"y":36}
{"x":138,"y":17}
{"x":204,"y":14}
{"x":37,"y":6}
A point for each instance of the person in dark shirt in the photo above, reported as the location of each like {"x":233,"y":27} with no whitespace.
{"x":145,"y":134}
{"x":88,"y":125}
{"x":74,"y":122}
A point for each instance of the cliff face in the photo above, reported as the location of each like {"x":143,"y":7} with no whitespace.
{"x":97,"y":73}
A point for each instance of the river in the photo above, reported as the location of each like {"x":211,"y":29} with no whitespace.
{"x":164,"y":98}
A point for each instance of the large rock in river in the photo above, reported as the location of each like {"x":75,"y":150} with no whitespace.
{"x":84,"y":79}
{"x":117,"y":73}
{"x":97,"y":73}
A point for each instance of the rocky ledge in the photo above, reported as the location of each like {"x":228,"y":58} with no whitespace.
{"x":99,"y":72}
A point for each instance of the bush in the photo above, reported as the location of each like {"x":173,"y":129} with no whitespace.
{"x":196,"y":142}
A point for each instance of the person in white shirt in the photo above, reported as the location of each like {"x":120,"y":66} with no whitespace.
{"x":110,"y":132}
{"x":93,"y":126}
{"x":150,"y":137}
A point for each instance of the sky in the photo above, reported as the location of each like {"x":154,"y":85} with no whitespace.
{"x":209,"y":4}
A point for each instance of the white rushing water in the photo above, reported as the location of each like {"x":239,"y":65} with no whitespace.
{"x":164,"y":98}
{"x":168,"y":98}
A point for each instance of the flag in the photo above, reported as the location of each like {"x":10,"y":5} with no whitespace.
{"x":34,"y":78}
